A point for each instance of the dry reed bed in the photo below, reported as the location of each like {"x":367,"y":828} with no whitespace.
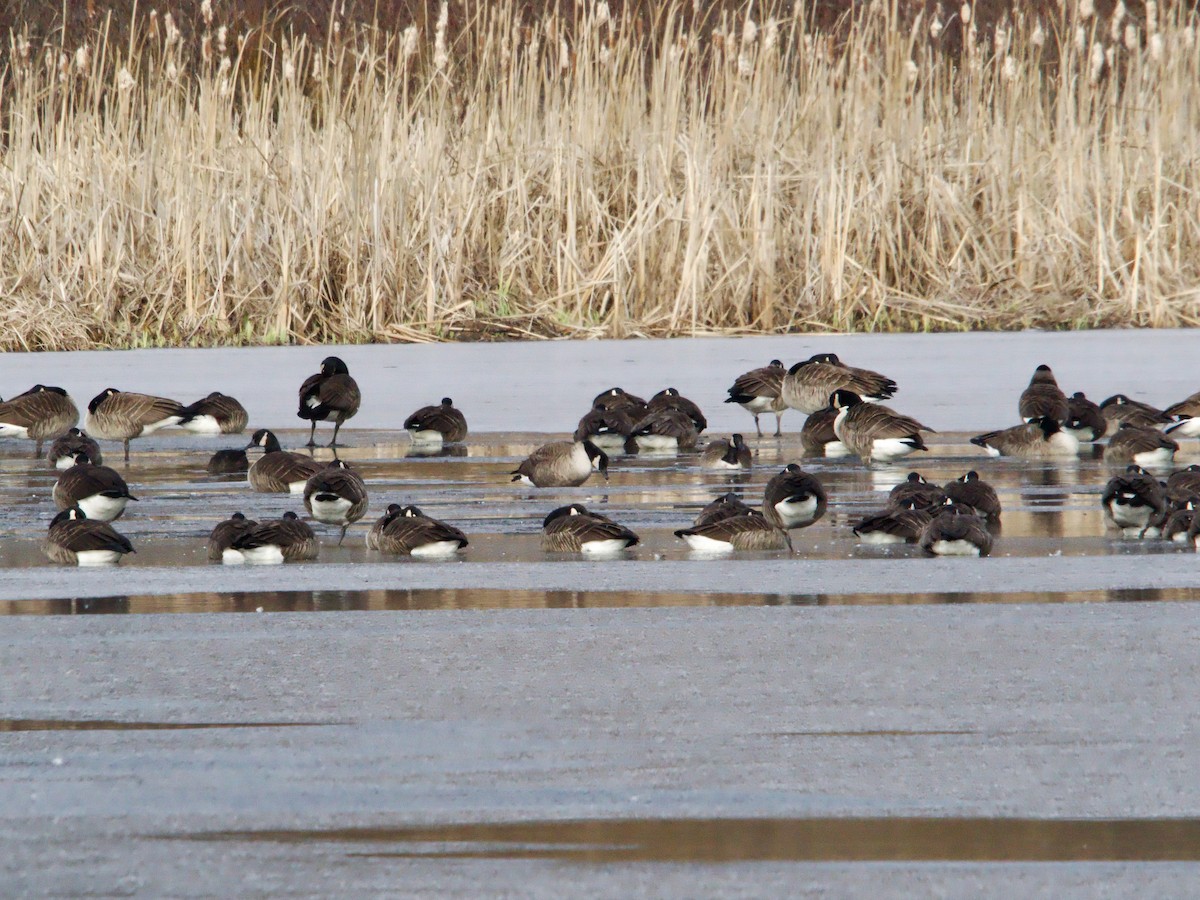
{"x":577,"y":176}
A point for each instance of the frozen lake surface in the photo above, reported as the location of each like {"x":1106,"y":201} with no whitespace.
{"x":938,"y":709}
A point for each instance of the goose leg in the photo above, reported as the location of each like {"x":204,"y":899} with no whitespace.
{"x":757,"y":426}
{"x":38,"y":452}
{"x":337,"y":424}
{"x":312,"y":430}
{"x":126,"y":449}
{"x":778,"y":424}
{"x":343,"y":534}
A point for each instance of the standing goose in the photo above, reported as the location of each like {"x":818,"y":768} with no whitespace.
{"x":902,"y":524}
{"x":818,"y":437}
{"x":562,"y":464}
{"x":336,"y":495}
{"x":608,"y":429}
{"x":793,"y":499}
{"x":971,"y":490}
{"x":759,"y":391}
{"x":97,"y":490}
{"x":216,"y":414}
{"x":1141,"y":446}
{"x":1039,"y":439}
{"x":724,"y":507}
{"x":1085,"y":419}
{"x":1043,"y":398}
{"x":74,"y":539}
{"x":670,"y":398}
{"x":40,"y":414}
{"x":225,"y":533}
{"x":66,"y":448}
{"x":573,"y":529}
{"x":872,"y":431}
{"x":916,"y":489}
{"x":274,"y":541}
{"x":122,"y":415}
{"x":279,"y":471}
{"x":809,"y":384}
{"x":747,"y":532}
{"x":1186,"y":415}
{"x":1134,"y":502}
{"x":437,"y":424}
{"x":956,"y":530}
{"x":1119,"y":409}
{"x":663,"y":431}
{"x":730,"y":454}
{"x":329,"y":396}
{"x":407,"y":530}
{"x":619,"y":398}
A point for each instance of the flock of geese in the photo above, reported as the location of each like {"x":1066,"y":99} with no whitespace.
{"x":845,"y":416}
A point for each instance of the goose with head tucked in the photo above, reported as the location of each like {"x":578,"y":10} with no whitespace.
{"x":956,"y":530}
{"x":124,"y":415}
{"x":443,"y":423}
{"x":406,"y":530}
{"x":562,"y":464}
{"x":331,"y":395}
{"x":1179,"y":522}
{"x":818,"y":438}
{"x":1135,"y":503}
{"x":279,"y":471}
{"x":747,"y":533}
{"x":575,"y":529}
{"x":1043,"y":398}
{"x":223,"y":535}
{"x":723,"y":507}
{"x":1040,"y":439}
{"x":1142,"y":446}
{"x":40,"y":414}
{"x":901,"y":524}
{"x":99,"y":491}
{"x":874,"y":432}
{"x":76,"y":540}
{"x":759,"y":391}
{"x":809,"y":384}
{"x":1085,"y":419}
{"x":1184,"y":484}
{"x":65,"y":449}
{"x":1186,"y":416}
{"x":732,"y":454}
{"x":274,"y":541}
{"x":608,"y":429}
{"x":336,"y":495}
{"x":1119,"y":409}
{"x":619,"y":398}
{"x":215,"y":414}
{"x":663,"y":430}
{"x":971,"y":490}
{"x":916,"y":488}
{"x":670,"y":398}
{"x":794,"y":498}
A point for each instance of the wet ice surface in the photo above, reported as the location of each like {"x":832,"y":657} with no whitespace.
{"x":746,"y":700}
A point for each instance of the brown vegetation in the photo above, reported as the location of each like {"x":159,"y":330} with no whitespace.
{"x":246,"y":173}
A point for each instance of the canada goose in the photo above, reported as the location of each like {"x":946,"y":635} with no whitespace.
{"x":663,"y":430}
{"x":336,"y":495}
{"x":809,"y":384}
{"x":407,"y":530}
{"x":608,"y":429}
{"x":1179,"y":523}
{"x":274,"y":541}
{"x":1119,"y":408}
{"x":1186,"y":414}
{"x":225,"y":533}
{"x":329,"y":396}
{"x":1043,"y":398}
{"x":1184,"y":484}
{"x":1039,"y":439}
{"x":66,"y":448}
{"x":1192,"y":537}
{"x":748,"y":532}
{"x":228,"y":462}
{"x":74,"y":539}
{"x":1134,"y":502}
{"x":437,"y":424}
{"x":724,"y":507}
{"x":793,"y":498}
{"x":279,"y":471}
{"x":562,"y":464}
{"x":97,"y":490}
{"x":971,"y":490}
{"x":818,"y":437}
{"x":758,"y":391}
{"x":872,"y":431}
{"x":1140,"y":445}
{"x":1085,"y":420}
{"x":40,"y":414}
{"x":916,"y":489}
{"x":573,"y":529}
{"x":122,"y":415}
{"x":956,"y":530}
{"x":619,"y":398}
{"x":670,"y":398}
{"x":730,"y":454}
{"x":900,"y":524}
{"x":216,"y":414}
